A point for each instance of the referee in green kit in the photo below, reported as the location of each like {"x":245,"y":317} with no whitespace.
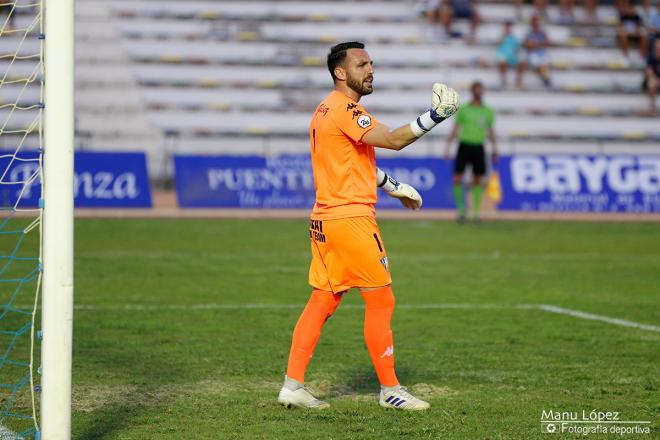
{"x":474,"y":122}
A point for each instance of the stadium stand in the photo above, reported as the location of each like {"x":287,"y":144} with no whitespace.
{"x":19,"y":64}
{"x":243,"y":76}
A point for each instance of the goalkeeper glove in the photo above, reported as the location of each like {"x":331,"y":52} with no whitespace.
{"x":408,"y":195}
{"x":444,"y":103}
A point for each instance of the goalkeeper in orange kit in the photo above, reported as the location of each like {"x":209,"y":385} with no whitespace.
{"x":347,"y":247}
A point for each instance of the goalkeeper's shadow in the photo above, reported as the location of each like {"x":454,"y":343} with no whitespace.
{"x":363,"y":381}
{"x":109,"y":420}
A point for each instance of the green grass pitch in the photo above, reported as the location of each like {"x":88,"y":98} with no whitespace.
{"x":151,"y":362}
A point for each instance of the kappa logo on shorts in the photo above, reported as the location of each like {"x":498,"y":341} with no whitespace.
{"x":385,"y":263}
{"x":364,"y":121}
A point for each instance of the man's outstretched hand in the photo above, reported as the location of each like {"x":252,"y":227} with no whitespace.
{"x":408,"y":196}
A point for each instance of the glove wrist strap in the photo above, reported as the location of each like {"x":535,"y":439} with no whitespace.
{"x":385,"y":181}
{"x":425,"y":123}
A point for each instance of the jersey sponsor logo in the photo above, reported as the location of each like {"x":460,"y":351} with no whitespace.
{"x":323,"y":109}
{"x":316,"y":225}
{"x":316,"y":231}
{"x":388,"y":352}
{"x":364,"y":121}
{"x":356,"y":112}
{"x":351,"y":106}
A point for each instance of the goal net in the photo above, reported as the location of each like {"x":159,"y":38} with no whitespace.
{"x":21,"y":98}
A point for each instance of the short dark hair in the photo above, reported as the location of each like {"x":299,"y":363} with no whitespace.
{"x":338,"y":54}
{"x":475,"y":84}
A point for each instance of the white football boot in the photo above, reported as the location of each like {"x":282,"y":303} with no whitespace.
{"x":400,"y":398}
{"x":300,"y":398}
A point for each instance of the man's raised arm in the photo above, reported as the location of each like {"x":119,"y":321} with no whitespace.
{"x":444,"y":103}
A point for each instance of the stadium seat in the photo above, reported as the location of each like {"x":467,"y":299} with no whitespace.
{"x":200,"y":71}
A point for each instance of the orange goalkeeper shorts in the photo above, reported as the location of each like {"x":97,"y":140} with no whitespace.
{"x":347,"y":252}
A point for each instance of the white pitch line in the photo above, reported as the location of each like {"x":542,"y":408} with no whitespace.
{"x":160,"y":307}
{"x":465,"y":306}
{"x":594,"y":317}
{"x":445,"y":306}
{"x":250,"y":306}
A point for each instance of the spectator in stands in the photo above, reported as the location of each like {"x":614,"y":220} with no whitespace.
{"x":7,"y":8}
{"x":653,"y":75}
{"x":590,"y":7}
{"x":540,"y":6}
{"x":436,"y":16}
{"x":474,"y":123}
{"x":461,"y":9}
{"x":653,"y":26}
{"x":631,"y":28}
{"x":537,"y":43}
{"x":506,"y":55}
{"x":566,"y":8}
{"x":566,"y":11}
{"x":431,"y":8}
{"x":646,"y":10}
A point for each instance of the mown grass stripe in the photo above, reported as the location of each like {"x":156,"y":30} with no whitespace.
{"x":260,"y":306}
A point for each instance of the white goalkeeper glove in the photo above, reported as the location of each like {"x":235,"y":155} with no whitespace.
{"x":408,"y":195}
{"x":444,"y":100}
{"x":444,"y":103}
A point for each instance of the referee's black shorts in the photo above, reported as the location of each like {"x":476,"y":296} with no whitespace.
{"x":470,"y":154}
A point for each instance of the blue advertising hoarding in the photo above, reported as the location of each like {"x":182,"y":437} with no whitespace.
{"x":287,"y":182}
{"x":543,"y":183}
{"x":580,"y":183}
{"x":430,"y":176}
{"x":101,"y":180}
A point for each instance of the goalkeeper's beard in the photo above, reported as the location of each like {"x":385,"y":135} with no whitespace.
{"x":362,"y":88}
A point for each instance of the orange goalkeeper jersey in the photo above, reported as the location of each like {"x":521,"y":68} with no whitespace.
{"x":344,"y":166}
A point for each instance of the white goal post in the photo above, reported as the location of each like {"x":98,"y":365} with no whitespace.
{"x":57,"y":299}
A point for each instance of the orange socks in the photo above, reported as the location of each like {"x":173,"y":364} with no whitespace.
{"x":378,"y":333}
{"x":320,"y":307}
